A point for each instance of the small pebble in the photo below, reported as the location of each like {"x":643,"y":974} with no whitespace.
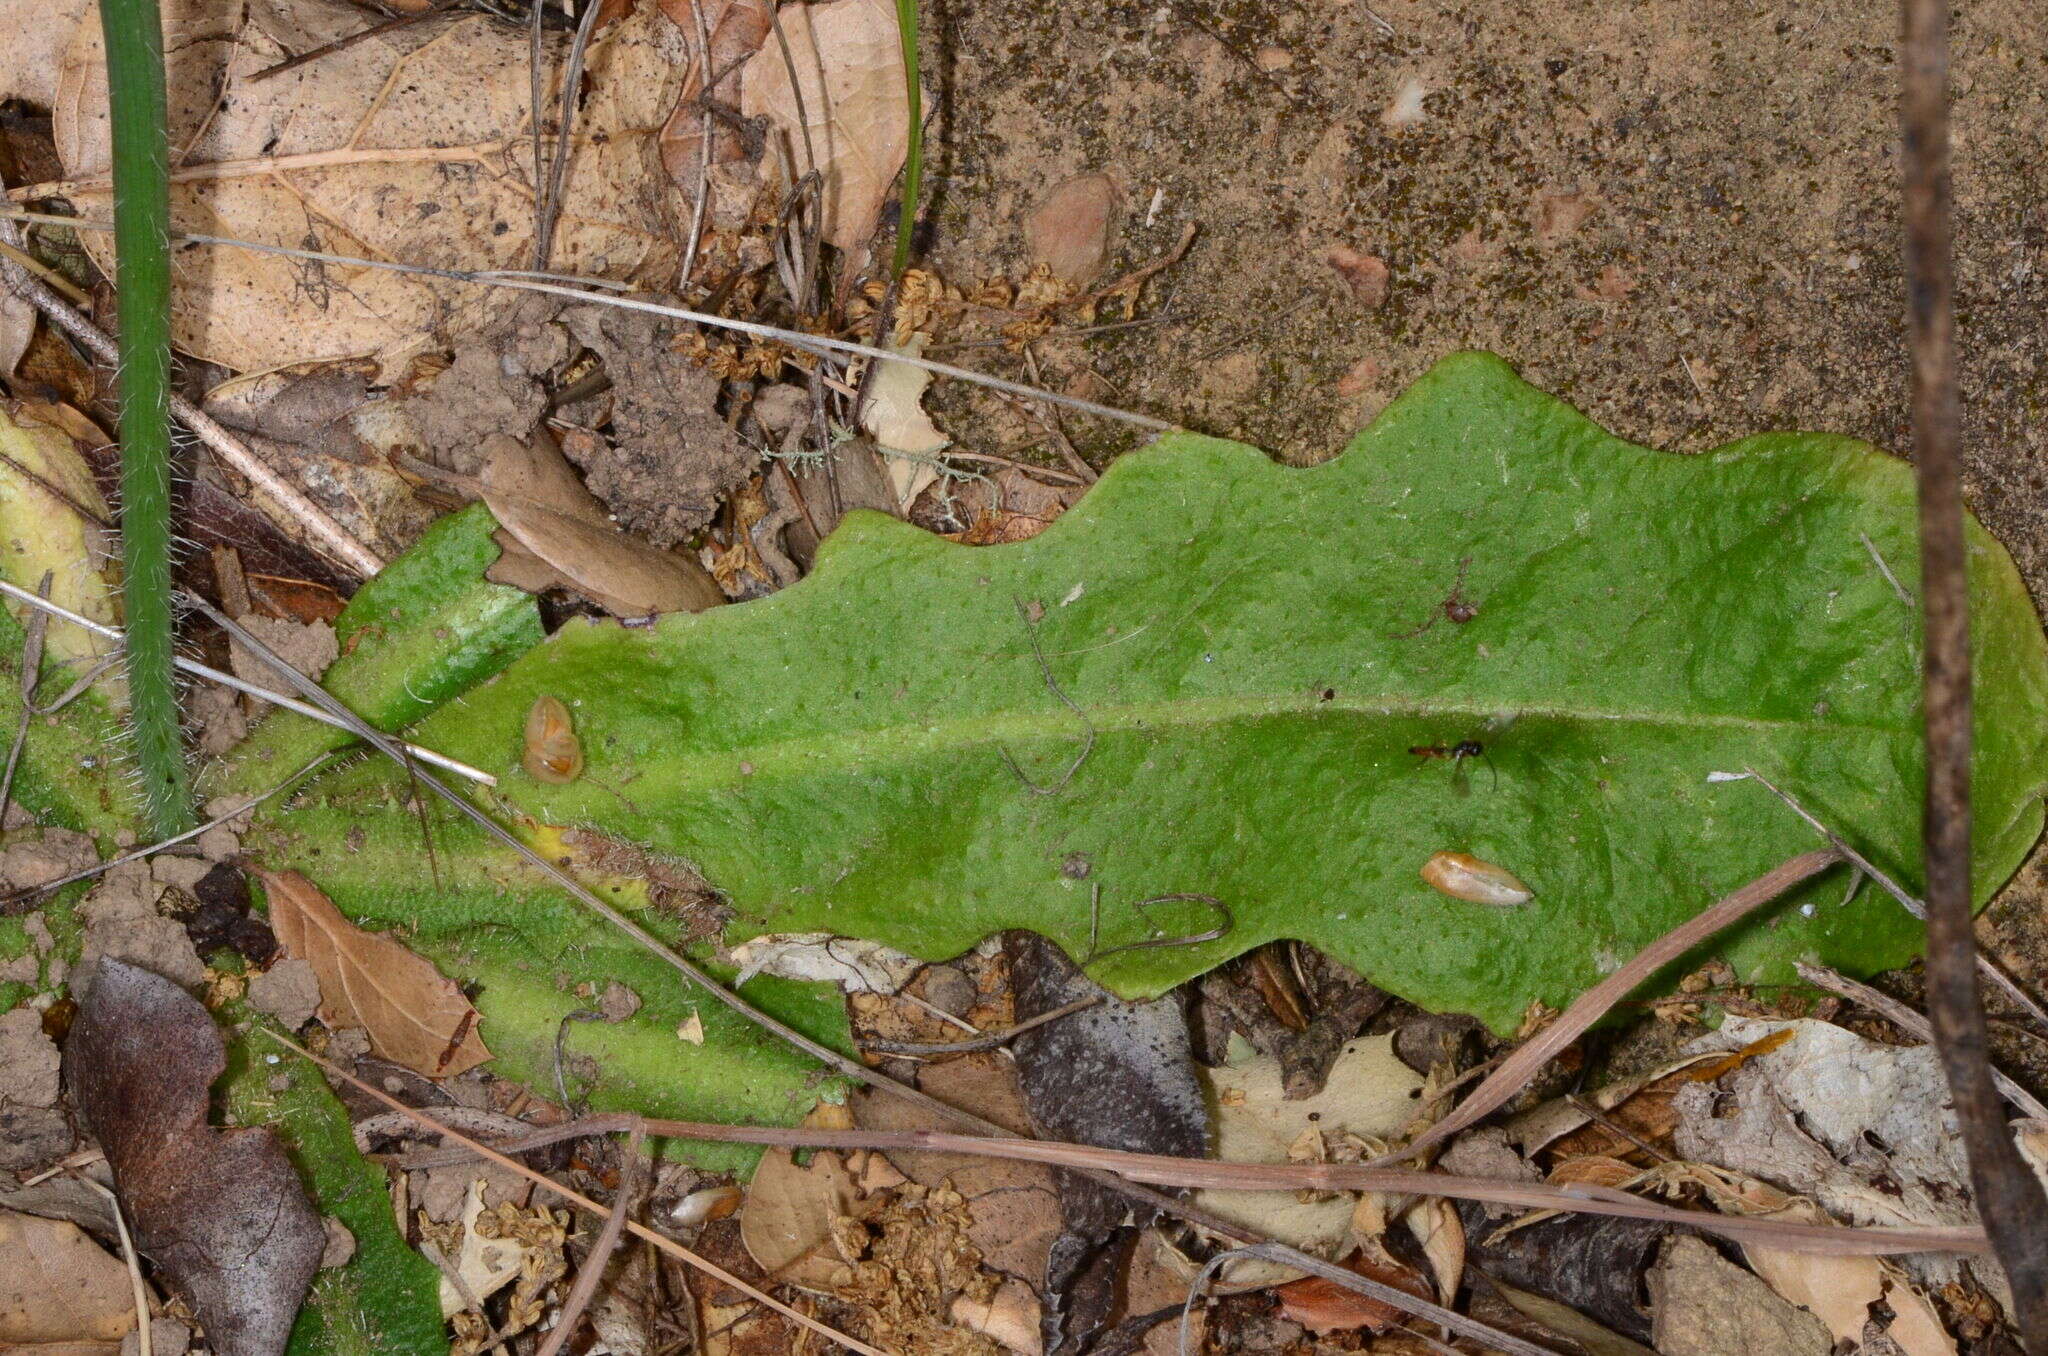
{"x":949,"y":990}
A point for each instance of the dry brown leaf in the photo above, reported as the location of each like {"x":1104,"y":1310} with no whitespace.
{"x":1015,"y":1205}
{"x":303,"y":415}
{"x":787,"y":1221}
{"x":414,"y":146}
{"x":221,"y":1212}
{"x":483,"y":1265}
{"x":1323,"y":1306}
{"x":896,"y":418}
{"x":1840,"y":1290}
{"x":1370,"y":1094}
{"x":737,"y":28}
{"x":28,"y":61}
{"x":536,"y":496}
{"x":413,"y":1014}
{"x":849,"y":62}
{"x":57,"y":1285}
{"x":1441,"y":1233}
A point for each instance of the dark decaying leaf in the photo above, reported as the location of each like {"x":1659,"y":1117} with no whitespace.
{"x":1293,"y":1003}
{"x":1592,"y":1263}
{"x":1118,"y":1075}
{"x":221,"y":1212}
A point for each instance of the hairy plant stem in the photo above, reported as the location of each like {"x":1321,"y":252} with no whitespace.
{"x":142,"y":249}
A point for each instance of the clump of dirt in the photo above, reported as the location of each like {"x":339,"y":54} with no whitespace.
{"x":670,"y":460}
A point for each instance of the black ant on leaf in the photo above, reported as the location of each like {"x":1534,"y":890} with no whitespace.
{"x":1457,"y":754}
{"x":1456,"y":609}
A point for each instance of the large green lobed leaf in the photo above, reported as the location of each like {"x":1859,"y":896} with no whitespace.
{"x":1244,"y":640}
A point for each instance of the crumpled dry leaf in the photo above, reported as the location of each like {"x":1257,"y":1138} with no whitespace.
{"x":849,"y":61}
{"x":221,"y":1212}
{"x":414,"y":146}
{"x":484,"y":1265}
{"x":1809,"y":1117}
{"x":1015,"y":1205}
{"x":1323,"y":1306}
{"x":1436,"y":1226}
{"x":1838,"y":1290}
{"x":414,"y":1015}
{"x":44,"y":482}
{"x":1704,"y":1305}
{"x":1841,"y":1290}
{"x":57,"y":1285}
{"x":895,"y":416}
{"x":788,"y":1221}
{"x":737,"y":28}
{"x":1370,"y":1094}
{"x":549,"y":515}
{"x":856,"y":966}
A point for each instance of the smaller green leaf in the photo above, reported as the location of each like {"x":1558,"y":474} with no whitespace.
{"x":385,"y":1299}
{"x":425,"y":629}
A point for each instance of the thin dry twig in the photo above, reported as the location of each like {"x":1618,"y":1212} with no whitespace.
{"x":199,"y":670}
{"x":1990,"y":968}
{"x":518,"y":281}
{"x":1518,"y":1068}
{"x":705,"y":84}
{"x":2009,"y":1196}
{"x":1207,"y":1174}
{"x":1450,"y":1319}
{"x":591,"y":1272}
{"x":549,"y":208}
{"x":320,"y":526}
{"x":662,"y":1241}
{"x":1913,"y":1024}
{"x":342,"y":44}
{"x":990,"y":1041}
{"x":143,"y":1336}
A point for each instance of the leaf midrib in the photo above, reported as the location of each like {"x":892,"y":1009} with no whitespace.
{"x":987,"y":730}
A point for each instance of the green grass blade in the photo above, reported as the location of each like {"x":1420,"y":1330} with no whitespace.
{"x":913,"y":161}
{"x":142,"y":213}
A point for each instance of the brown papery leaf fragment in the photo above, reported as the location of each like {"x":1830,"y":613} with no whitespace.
{"x":848,"y":57}
{"x":414,"y":1014}
{"x":1325,"y":1307}
{"x":221,"y":1212}
{"x":533,"y":492}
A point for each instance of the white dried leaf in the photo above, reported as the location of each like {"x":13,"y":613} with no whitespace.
{"x":856,"y":966}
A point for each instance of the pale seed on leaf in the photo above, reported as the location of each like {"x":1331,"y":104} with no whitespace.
{"x":1463,"y":876}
